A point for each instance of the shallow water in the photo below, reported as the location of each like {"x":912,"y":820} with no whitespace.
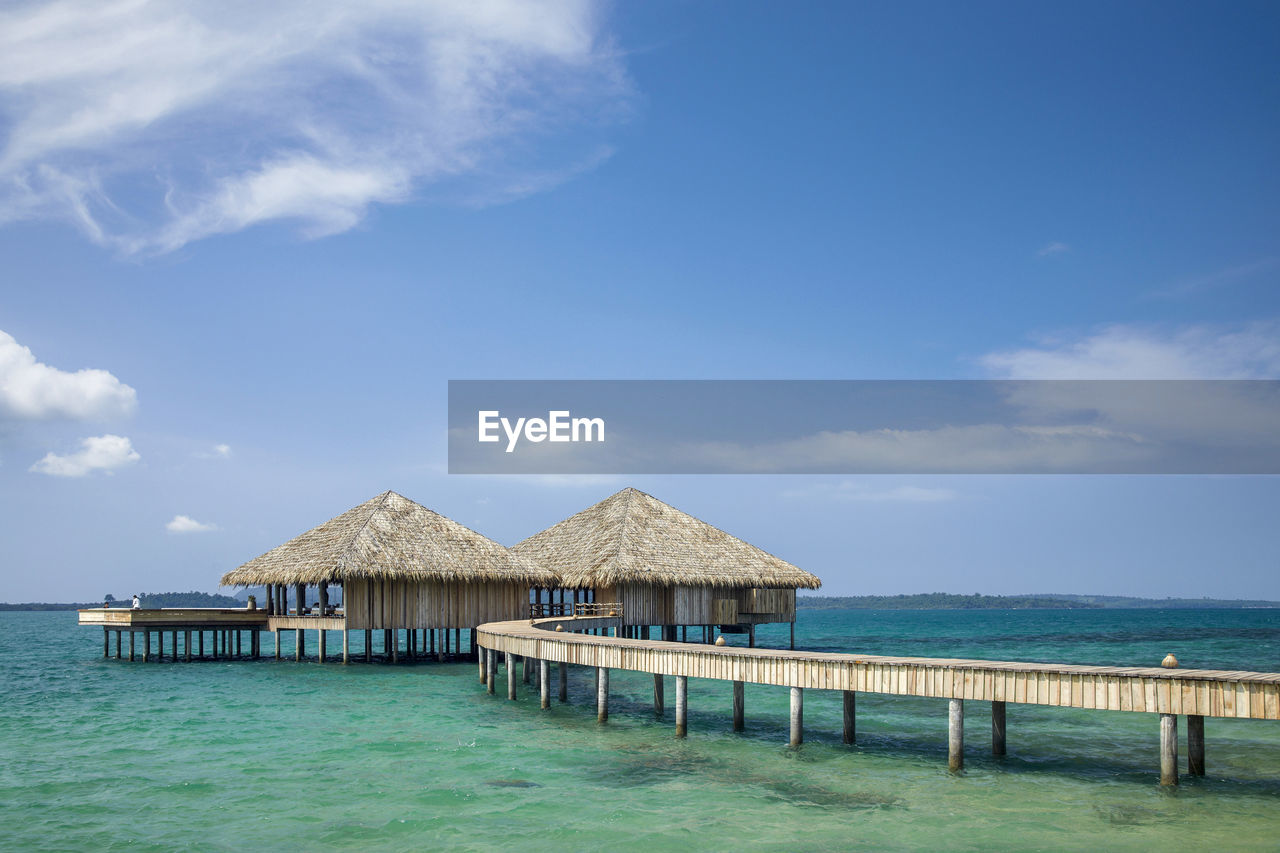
{"x":105,"y":755}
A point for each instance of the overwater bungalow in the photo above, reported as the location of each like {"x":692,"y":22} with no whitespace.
{"x":667,"y":568}
{"x":400,"y":567}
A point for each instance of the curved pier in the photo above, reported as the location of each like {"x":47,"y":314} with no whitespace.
{"x":1194,"y":693}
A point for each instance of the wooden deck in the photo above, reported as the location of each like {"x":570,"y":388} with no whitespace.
{"x":1202,"y":692}
{"x":193,"y":618}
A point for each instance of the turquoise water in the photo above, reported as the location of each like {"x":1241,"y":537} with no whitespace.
{"x":107,"y":755}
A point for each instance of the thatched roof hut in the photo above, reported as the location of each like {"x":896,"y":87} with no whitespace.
{"x":634,"y":538}
{"x":390,"y":538}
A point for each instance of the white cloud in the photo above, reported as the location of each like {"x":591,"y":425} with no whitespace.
{"x":218,"y":451}
{"x":1054,"y":248}
{"x":104,"y":453}
{"x":32,"y":390}
{"x":849,"y":490}
{"x":150,"y":124}
{"x":1133,"y":352}
{"x":187,"y":524}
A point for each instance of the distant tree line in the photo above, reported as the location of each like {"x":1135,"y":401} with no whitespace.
{"x":149,"y":600}
{"x":949,"y":601}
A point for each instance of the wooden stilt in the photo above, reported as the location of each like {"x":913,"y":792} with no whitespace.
{"x":160,"y":642}
{"x":299,"y":643}
{"x":850,"y":716}
{"x":751,"y":636}
{"x":564,"y":682}
{"x":213,"y":642}
{"x":132,"y":634}
{"x":118,"y":639}
{"x":187,"y":643}
{"x":238,"y":652}
{"x":739,"y":706}
{"x":368,"y":645}
{"x":602,"y":694}
{"x":276,"y":632}
{"x":1168,"y":749}
{"x":682,"y":705}
{"x":146,"y":646}
{"x":493,"y":664}
{"x":106,"y":643}
{"x":346,"y":646}
{"x":797,"y":716}
{"x":511,"y":676}
{"x":955,"y":735}
{"x":322,"y":643}
{"x":544,"y":683}
{"x":432,"y":638}
{"x":481,"y":666}
{"x":997,"y":729}
{"x":527,"y":668}
{"x":1195,"y":744}
{"x":793,"y":633}
{"x":395,"y":645}
{"x":659,"y":700}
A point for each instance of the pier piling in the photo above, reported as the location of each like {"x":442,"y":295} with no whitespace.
{"x":659,"y":700}
{"x":955,"y":735}
{"x":511,"y":676}
{"x":997,"y":729}
{"x":564,"y":682}
{"x":739,"y":706}
{"x":1195,"y":744}
{"x":544,"y":683}
{"x":850,"y":716}
{"x":797,"y":716}
{"x":602,"y":694}
{"x":1168,"y":749}
{"x":682,"y":705}
{"x":489,"y":675}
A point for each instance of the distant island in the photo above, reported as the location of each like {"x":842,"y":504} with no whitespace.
{"x":949,"y":601}
{"x":149,"y":600}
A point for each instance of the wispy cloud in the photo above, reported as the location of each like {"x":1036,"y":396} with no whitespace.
{"x":104,"y":453}
{"x":1216,"y":279}
{"x":187,"y":524}
{"x":1054,"y":248}
{"x":32,"y":390}
{"x":1120,"y":351}
{"x":218,"y":451}
{"x":148,"y":125}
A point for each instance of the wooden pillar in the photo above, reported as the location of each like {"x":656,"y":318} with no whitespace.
{"x":322,"y":642}
{"x":490,"y":675}
{"x":797,"y":716}
{"x":955,"y":735}
{"x":300,"y":597}
{"x":511,"y":676}
{"x":160,"y":641}
{"x":602,"y":694}
{"x":1168,"y":749}
{"x":457,"y":641}
{"x":213,"y":641}
{"x":1195,"y":743}
{"x":276,"y":632}
{"x":682,"y":705}
{"x":368,"y":645}
{"x":739,"y":706}
{"x":793,"y":634}
{"x":106,"y":643}
{"x":482,"y":661}
{"x":544,"y":683}
{"x":346,"y":646}
{"x":850,"y":716}
{"x":659,"y":700}
{"x":564,"y":682}
{"x":997,"y":728}
{"x":299,"y":642}
{"x":257,"y":644}
{"x":146,"y":646}
{"x":187,"y":638}
{"x":395,"y":645}
{"x":238,"y":633}
{"x":527,"y":667}
{"x":118,"y":639}
{"x":132,"y":634}
{"x":431,"y":635}
{"x":751,"y":636}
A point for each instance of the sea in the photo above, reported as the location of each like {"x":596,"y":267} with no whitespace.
{"x":103,"y":755}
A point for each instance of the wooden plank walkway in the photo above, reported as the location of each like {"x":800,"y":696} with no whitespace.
{"x":1200,"y":692}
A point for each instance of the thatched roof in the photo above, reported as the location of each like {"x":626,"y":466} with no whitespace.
{"x":633,"y":537}
{"x":389,"y":538}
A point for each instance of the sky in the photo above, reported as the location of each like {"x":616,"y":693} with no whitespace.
{"x":244,"y":250}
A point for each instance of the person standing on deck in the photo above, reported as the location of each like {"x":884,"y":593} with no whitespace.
{"x":137,"y":602}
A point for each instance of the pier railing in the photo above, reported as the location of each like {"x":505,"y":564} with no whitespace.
{"x":545,"y":610}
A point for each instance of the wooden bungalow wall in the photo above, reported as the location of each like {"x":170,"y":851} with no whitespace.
{"x":647,"y":604}
{"x":432,"y":604}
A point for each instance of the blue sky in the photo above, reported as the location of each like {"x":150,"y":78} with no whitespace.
{"x":278,"y":236}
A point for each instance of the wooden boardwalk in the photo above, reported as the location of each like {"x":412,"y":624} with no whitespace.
{"x":1196,"y":693}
